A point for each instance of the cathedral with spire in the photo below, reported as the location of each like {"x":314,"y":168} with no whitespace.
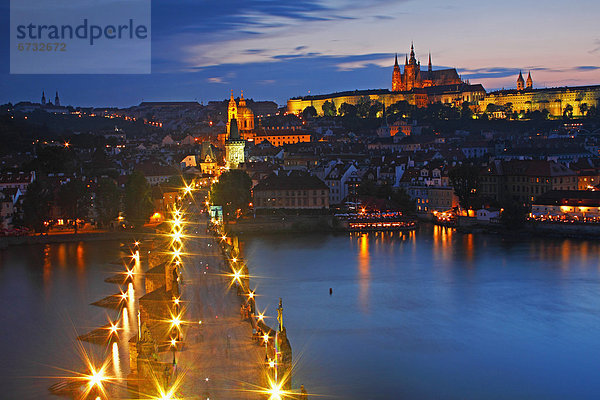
{"x":414,"y":77}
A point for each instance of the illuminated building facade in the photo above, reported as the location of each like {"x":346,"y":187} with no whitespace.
{"x":234,"y":146}
{"x":243,"y":116}
{"x":567,"y":204}
{"x":554,"y":101}
{"x":280,"y":137}
{"x":417,"y":87}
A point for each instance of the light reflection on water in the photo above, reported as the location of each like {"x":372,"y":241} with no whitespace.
{"x":436,"y":314}
{"x":45,"y":296}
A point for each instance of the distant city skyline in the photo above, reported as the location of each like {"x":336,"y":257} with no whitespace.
{"x":274,"y":50}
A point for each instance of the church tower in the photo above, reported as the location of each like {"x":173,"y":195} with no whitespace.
{"x":231,"y":112}
{"x":396,"y":77}
{"x":234,"y":146}
{"x":429,"y":67}
{"x":43,"y":98}
{"x":529,"y":81}
{"x":520,"y":82}
{"x":56,"y":100}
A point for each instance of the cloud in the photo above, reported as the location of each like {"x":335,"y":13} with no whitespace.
{"x":586,"y":68}
{"x":216,"y":79}
{"x":597,"y":48}
{"x":228,"y":30}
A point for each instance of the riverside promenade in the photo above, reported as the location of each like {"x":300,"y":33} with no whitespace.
{"x":219,"y":359}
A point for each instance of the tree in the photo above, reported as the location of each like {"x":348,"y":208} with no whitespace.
{"x":466,"y":112}
{"x":74,"y":200}
{"x":490,"y":108}
{"x":403,"y":201}
{"x":138,"y":200}
{"x":583,"y":109}
{"x":347,"y":110}
{"x":329,"y":109}
{"x":309,"y":112}
{"x":376,"y":107}
{"x":401,"y":107}
{"x":568,"y":112}
{"x":108,"y":201}
{"x":36,"y":206}
{"x":465,"y":179}
{"x":362,"y":106}
{"x":513,"y":215}
{"x":232,"y":192}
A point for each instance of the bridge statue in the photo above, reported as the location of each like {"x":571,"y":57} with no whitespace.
{"x":280,"y":315}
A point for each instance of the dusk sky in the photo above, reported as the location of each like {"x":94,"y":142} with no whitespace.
{"x":274,"y":50}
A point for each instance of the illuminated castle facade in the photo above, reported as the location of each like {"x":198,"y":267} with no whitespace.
{"x":414,"y":85}
{"x":554,"y":101}
{"x":414,"y":77}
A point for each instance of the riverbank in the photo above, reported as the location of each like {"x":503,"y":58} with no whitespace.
{"x":68,"y":237}
{"x":539,"y":229}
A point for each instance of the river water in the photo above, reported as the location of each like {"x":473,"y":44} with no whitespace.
{"x":433,"y":314}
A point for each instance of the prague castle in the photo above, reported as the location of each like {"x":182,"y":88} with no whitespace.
{"x":417,"y":87}
{"x":421,"y":87}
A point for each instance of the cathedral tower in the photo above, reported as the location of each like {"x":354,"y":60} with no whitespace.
{"x":520,"y":82}
{"x":43,"y":98}
{"x":396,"y":77}
{"x":529,"y":81}
{"x":56,"y":100}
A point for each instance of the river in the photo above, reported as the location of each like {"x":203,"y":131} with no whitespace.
{"x":431,"y":314}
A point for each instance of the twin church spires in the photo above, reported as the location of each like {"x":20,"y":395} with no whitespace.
{"x":521,"y":82}
{"x":56,"y":99}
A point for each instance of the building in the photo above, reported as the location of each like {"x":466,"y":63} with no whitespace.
{"x":336,"y":180}
{"x":157,"y":174}
{"x":243,"y":115}
{"x":293,"y":190}
{"x":575,"y":100}
{"x":441,"y":198}
{"x":414,"y":77}
{"x":524,"y":180}
{"x":417,"y":87}
{"x":560,"y":205}
{"x":280,"y":137}
{"x":234,"y":146}
{"x":20,"y":181}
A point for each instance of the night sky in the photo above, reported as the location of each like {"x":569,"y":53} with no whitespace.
{"x":273,"y":50}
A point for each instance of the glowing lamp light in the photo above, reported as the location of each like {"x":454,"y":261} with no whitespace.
{"x":261,"y":316}
{"x":173,"y":342}
{"x":265,"y":338}
{"x":136,"y":243}
{"x":275,"y":390}
{"x":176,"y":301}
{"x":271,"y":364}
{"x":251,"y":295}
{"x":123,"y":296}
{"x":234,"y":259}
